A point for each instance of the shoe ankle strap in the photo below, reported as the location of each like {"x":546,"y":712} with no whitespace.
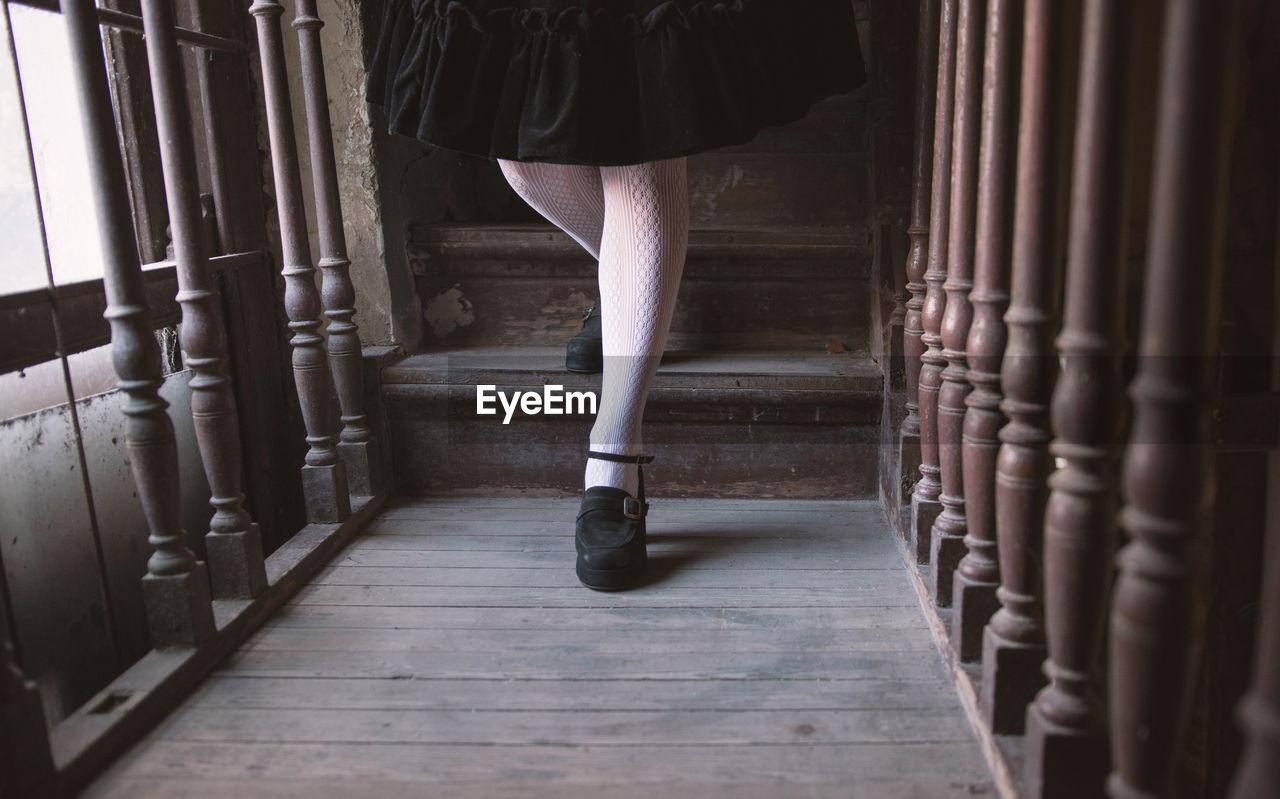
{"x":636,"y":459}
{"x":609,"y":456}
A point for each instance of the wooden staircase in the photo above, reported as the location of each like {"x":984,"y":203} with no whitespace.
{"x":767,"y":387}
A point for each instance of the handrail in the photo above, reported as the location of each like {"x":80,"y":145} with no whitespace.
{"x":132,"y":22}
{"x":27,"y":328}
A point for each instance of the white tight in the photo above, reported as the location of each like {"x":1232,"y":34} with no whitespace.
{"x":635,"y":221}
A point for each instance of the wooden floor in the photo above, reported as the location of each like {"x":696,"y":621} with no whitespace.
{"x":777,"y":651}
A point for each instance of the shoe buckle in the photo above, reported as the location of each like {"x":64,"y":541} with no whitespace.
{"x":587,"y":313}
{"x":633,"y":508}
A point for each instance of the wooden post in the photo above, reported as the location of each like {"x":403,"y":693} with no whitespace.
{"x":356,"y":445}
{"x":1013,"y":644}
{"x":924,"y":500}
{"x":324,"y":478}
{"x":27,"y":762}
{"x":26,"y":758}
{"x":176,"y":587}
{"x":1066,"y":751}
{"x":234,"y":543}
{"x":950,"y":527}
{"x":1258,"y":774}
{"x":918,"y":230}
{"x":978,"y":574}
{"x":1157,"y":618}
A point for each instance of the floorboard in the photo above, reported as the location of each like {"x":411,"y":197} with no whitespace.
{"x":776,"y":650}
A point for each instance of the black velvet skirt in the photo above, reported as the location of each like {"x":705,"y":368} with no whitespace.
{"x":607,"y":82}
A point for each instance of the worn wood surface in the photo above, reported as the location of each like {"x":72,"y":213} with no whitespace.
{"x":752,"y":289}
{"x":94,"y":735}
{"x":270,"y":428}
{"x":233,"y":544}
{"x":1014,"y":640}
{"x":777,"y":650}
{"x":356,"y":443}
{"x":951,"y":526}
{"x":924,"y":498}
{"x":1157,"y":627}
{"x":1066,"y":743}
{"x":706,"y":370}
{"x":779,"y":424}
{"x":926,"y":107}
{"x":26,"y":317}
{"x":324,"y":483}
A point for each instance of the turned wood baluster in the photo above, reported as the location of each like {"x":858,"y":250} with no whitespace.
{"x":1258,"y":775}
{"x":949,"y":528}
{"x":924,"y":500}
{"x":356,"y":443}
{"x":1157,"y":618}
{"x":978,"y":574}
{"x":1066,"y":753}
{"x":324,"y":478}
{"x":234,"y":543}
{"x":918,"y":230}
{"x":176,"y":587}
{"x":1013,"y":643}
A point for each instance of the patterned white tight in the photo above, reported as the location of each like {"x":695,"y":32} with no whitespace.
{"x":635,"y":221}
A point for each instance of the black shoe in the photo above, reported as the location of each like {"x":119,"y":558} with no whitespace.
{"x":609,"y":532}
{"x":585,"y":352}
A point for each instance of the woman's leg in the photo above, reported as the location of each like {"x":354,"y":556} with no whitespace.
{"x":642,"y":255}
{"x":570,"y":197}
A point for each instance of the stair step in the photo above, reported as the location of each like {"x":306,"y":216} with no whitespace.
{"x":770,"y":181}
{"x":763,"y":289}
{"x":839,"y":124}
{"x":719,"y":423}
{"x":777,"y":189}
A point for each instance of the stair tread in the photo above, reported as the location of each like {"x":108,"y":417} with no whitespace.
{"x":753,"y":234}
{"x":538,"y":234}
{"x":730,"y":423}
{"x":679,"y":369}
{"x":526,"y":284}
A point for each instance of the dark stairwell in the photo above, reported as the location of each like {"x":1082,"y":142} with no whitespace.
{"x":803,"y":629}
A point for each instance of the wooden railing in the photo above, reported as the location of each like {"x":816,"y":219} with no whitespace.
{"x":1030,"y":468}
{"x":198,"y":611}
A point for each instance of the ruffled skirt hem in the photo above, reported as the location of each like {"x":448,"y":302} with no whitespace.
{"x":600,"y":83}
